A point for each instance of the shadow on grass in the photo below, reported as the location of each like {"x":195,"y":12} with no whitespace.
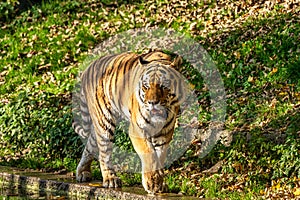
{"x":263,"y":113}
{"x":13,"y":10}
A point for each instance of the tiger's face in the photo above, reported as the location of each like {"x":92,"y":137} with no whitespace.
{"x":158,"y":93}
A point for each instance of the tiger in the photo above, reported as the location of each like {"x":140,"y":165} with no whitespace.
{"x":144,"y":89}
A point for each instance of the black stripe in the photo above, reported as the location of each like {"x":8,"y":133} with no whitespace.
{"x":97,"y":69}
{"x":136,"y":71}
{"x":140,"y":96}
{"x":104,"y":139}
{"x":110,"y":86}
{"x":110,"y":131}
{"x":105,"y":61}
{"x":104,"y":118}
{"x":163,"y":71}
{"x":93,"y":142}
{"x":161,"y":144}
{"x":85,"y":114}
{"x":145,"y":119}
{"x":106,"y":102}
{"x":113,"y":79}
{"x":104,"y":126}
{"x":138,"y":125}
{"x":174,"y":82}
{"x":93,"y":136}
{"x":165,"y":127}
{"x":149,"y":71}
{"x":118,"y":103}
{"x":169,"y":122}
{"x":172,"y":76}
{"x":129,"y":72}
{"x":125,"y":66}
{"x":106,"y":150}
{"x":174,"y":101}
{"x":88,"y":151}
{"x":86,"y":129}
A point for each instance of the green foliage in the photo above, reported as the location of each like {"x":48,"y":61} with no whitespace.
{"x":288,"y":164}
{"x":210,"y":186}
{"x":130,"y":179}
{"x":36,"y":131}
{"x":8,"y":9}
{"x":181,"y":185}
{"x":122,"y":139}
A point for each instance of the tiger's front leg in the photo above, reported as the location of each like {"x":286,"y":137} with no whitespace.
{"x":152,"y":163}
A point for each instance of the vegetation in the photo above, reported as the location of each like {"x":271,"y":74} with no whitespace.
{"x":255,"y":45}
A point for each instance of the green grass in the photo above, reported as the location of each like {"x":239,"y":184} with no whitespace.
{"x":43,"y":46}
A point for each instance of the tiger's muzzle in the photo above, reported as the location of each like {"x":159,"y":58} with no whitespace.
{"x":158,"y":113}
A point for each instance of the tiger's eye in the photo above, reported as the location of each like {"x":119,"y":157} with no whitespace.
{"x":171,"y":95}
{"x":165,"y":87}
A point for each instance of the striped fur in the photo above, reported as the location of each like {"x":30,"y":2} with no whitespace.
{"x":144,"y":89}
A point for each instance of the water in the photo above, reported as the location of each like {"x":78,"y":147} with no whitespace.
{"x":16,"y":184}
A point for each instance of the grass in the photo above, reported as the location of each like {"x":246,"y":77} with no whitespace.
{"x":43,"y":46}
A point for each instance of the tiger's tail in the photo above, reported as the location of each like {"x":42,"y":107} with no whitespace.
{"x":81,"y":124}
{"x":76,"y":125}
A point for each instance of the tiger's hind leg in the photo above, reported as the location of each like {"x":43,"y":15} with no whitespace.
{"x":104,"y":131}
{"x":83,"y":171}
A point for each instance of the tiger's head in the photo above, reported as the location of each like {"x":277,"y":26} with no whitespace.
{"x":160,"y":88}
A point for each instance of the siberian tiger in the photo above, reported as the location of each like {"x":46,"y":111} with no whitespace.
{"x":144,"y":89}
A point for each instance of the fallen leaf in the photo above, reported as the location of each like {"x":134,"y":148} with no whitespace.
{"x":95,"y":184}
{"x":297,"y":192}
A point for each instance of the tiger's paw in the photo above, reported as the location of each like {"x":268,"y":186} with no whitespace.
{"x":153,"y":182}
{"x":83,"y":176}
{"x":112,"y":181}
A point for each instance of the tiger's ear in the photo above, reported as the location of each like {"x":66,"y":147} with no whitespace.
{"x":142,"y":61}
{"x":177,"y":61}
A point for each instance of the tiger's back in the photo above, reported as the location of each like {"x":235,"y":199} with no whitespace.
{"x":97,"y":83}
